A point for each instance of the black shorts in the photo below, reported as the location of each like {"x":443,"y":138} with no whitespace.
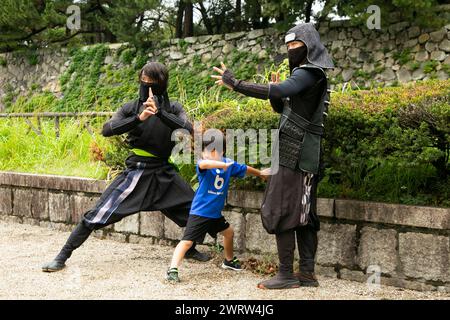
{"x":197,"y":227}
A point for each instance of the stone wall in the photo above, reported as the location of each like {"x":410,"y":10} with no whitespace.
{"x":398,"y":53}
{"x":409,"y":245}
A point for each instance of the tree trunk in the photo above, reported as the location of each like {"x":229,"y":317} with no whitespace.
{"x":308,"y":11}
{"x":238,"y":16}
{"x":189,"y":20}
{"x":179,"y":22}
{"x":206,"y":20}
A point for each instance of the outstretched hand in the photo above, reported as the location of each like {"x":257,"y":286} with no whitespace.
{"x":264,"y":174}
{"x":221,"y":71}
{"x":275,"y":77}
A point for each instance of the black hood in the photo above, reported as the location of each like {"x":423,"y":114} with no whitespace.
{"x":317,"y":53}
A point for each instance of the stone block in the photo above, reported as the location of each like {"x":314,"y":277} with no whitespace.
{"x":42,"y":181}
{"x":431,"y":46}
{"x":59,"y":207}
{"x":407,"y":284}
{"x":378,"y":247}
{"x":413,"y":32}
{"x":6,"y":203}
{"x":99,"y":234}
{"x":255,"y":34}
{"x":245,"y":199}
{"x":141,"y":240}
{"x":31,"y":221}
{"x":337,"y":244}
{"x":404,"y":75}
{"x":128,"y":224}
{"x":421,"y":56}
{"x":152,"y":224}
{"x":437,"y":36}
{"x":256,"y":237}
{"x":39,"y":205}
{"x":347,"y":74}
{"x":425,"y":256}
{"x":172,"y":231}
{"x":445,"y":45}
{"x":424,"y":38}
{"x":353,"y":275}
{"x":115,"y":236}
{"x":438,"y":55}
{"x":233,"y":36}
{"x":10,"y":219}
{"x":22,"y":202}
{"x":325,"y":207}
{"x":237,"y":221}
{"x":415,"y":216}
{"x":82,"y":204}
{"x":325,"y":271}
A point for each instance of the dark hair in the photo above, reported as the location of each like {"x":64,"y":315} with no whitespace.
{"x":156,"y":71}
{"x":210,"y":143}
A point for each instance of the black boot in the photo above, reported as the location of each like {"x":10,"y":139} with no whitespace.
{"x":307,"y":246}
{"x":280,"y":281}
{"x":307,"y":279}
{"x":76,"y":239}
{"x":285,"y":278}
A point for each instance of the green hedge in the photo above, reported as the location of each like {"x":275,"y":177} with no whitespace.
{"x":387,"y":144}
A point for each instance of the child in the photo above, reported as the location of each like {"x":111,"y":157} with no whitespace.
{"x":214,"y":173}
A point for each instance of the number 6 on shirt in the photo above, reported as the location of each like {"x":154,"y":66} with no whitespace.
{"x":218,"y":183}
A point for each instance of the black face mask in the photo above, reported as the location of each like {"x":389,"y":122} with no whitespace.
{"x":157,"y":90}
{"x":297,"y":56}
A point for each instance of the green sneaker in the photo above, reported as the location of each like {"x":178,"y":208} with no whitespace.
{"x":172,"y":275}
{"x":233,"y":264}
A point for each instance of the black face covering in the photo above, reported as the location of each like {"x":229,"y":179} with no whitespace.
{"x":157,"y":90}
{"x":297,"y":56}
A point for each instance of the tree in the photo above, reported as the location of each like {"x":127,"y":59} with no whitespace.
{"x":422,"y":12}
{"x":32,"y":23}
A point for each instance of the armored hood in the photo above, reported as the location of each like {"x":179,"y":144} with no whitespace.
{"x":317,"y":53}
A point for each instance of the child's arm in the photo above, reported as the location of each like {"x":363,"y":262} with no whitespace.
{"x":258,"y":173}
{"x":213,"y":164}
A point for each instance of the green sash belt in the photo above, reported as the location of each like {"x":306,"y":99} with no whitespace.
{"x":144,"y":153}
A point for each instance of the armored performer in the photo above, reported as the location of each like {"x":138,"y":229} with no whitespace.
{"x":289,"y":206}
{"x":150,"y":182}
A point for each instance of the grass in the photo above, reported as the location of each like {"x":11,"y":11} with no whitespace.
{"x":23,"y":150}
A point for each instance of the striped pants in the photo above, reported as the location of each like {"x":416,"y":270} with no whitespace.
{"x":146,"y":185}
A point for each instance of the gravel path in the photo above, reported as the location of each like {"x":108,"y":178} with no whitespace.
{"x":105,"y":269}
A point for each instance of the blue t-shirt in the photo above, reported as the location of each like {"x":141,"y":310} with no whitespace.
{"x":209,"y":198}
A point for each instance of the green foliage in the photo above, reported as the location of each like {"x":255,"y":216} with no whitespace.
{"x":430,"y":66}
{"x":33,"y":58}
{"x":3,"y":62}
{"x":397,"y":151}
{"x":403,"y":56}
{"x":414,"y":66}
{"x":127,"y":55}
{"x":68,"y":155}
{"x":38,"y":102}
{"x":389,"y":144}
{"x":422,"y":12}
